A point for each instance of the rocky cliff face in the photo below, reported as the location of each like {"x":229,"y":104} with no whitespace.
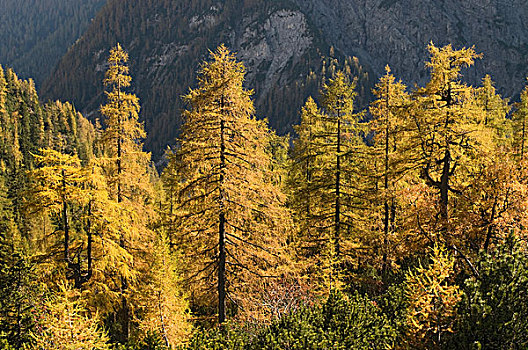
{"x":167,"y":40}
{"x":283,"y":44}
{"x":267,"y":47}
{"x":396,"y":32}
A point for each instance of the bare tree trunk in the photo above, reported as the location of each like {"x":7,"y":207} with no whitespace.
{"x":221,"y":270}
{"x":444,"y":189}
{"x":65,"y":226}
{"x":89,"y":248}
{"x":337,"y":218}
{"x":221,"y":231}
{"x":489,"y":233}
{"x":386,"y":216}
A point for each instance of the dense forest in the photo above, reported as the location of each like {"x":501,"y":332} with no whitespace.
{"x":397,"y":226}
{"x":37,"y":33}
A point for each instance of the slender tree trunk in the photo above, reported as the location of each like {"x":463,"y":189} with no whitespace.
{"x":162,"y":320}
{"x":392,"y":220}
{"x":89,"y":248}
{"x":446,"y":172}
{"x":125,"y":323}
{"x":386,"y":213}
{"x":221,"y":270}
{"x":65,"y":227}
{"x":489,"y":233}
{"x":221,"y":230}
{"x":73,"y":267}
{"x":444,"y":189}
{"x":125,"y":317}
{"x":337,"y":218}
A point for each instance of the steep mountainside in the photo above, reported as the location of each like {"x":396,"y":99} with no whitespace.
{"x":396,"y":32}
{"x":166,"y":40}
{"x":283,"y":44}
{"x":37,"y":33}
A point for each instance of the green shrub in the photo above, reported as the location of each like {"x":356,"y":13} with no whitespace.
{"x":493,"y":313}
{"x":342,"y":322}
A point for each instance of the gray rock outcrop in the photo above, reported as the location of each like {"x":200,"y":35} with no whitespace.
{"x":396,"y":32}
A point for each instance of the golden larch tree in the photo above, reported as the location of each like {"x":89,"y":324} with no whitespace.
{"x":126,"y":167}
{"x":445,"y":129}
{"x":392,"y":159}
{"x":325,"y":180}
{"x":229,"y":215}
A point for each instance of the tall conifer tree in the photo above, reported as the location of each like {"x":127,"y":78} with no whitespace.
{"x":446,"y":125}
{"x":495,"y":110}
{"x":326,"y":178}
{"x":390,"y":152}
{"x":304,"y":199}
{"x":123,"y":135}
{"x":493,"y":192}
{"x":59,"y":191}
{"x":229,"y":212}
{"x":126,"y":168}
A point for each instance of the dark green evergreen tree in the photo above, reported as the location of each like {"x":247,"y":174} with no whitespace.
{"x":19,"y":296}
{"x":493,"y":313}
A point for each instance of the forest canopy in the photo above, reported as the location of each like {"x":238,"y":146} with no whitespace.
{"x":402,"y":225}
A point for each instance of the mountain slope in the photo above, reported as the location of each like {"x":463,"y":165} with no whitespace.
{"x":284,"y":44}
{"x":397,"y":32}
{"x":167,"y":40}
{"x":37,"y":33}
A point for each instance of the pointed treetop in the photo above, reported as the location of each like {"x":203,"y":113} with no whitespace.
{"x":339,"y":94}
{"x":223,"y":76}
{"x":117,"y":73}
{"x":222,"y":68}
